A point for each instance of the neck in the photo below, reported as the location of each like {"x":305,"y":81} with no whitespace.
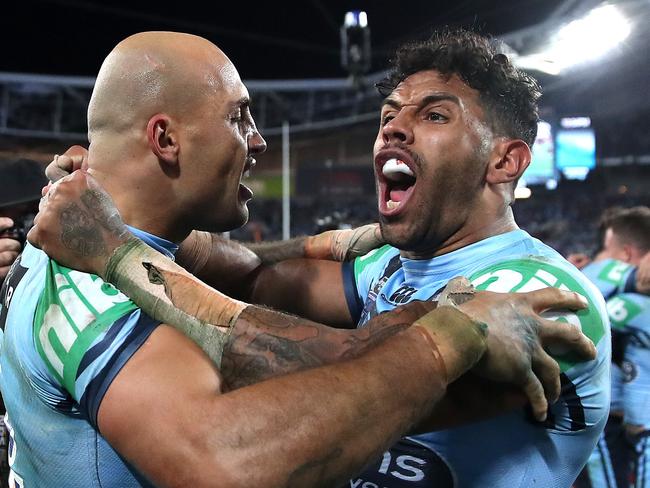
{"x":150,"y":211}
{"x":481,"y":227}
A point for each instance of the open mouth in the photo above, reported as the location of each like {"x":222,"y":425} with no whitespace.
{"x":246,"y":193}
{"x":396,"y":180}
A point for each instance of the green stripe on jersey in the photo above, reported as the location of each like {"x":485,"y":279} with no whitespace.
{"x":73,"y":310}
{"x":361,"y":263}
{"x":621,"y":310}
{"x":523,"y":275}
{"x":615,"y":273}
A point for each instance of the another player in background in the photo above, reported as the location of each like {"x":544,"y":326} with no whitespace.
{"x":455,"y":136}
{"x":624,"y":447}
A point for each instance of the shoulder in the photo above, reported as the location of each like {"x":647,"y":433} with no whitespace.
{"x":629,"y":309}
{"x":526,"y":273}
{"x":74,"y":311}
{"x":374,"y":262}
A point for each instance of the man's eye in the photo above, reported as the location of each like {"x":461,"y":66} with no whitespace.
{"x":435,"y":116}
{"x":236,"y":117}
{"x":386,"y":119}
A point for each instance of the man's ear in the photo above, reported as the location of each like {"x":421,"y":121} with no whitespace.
{"x":161,"y":135}
{"x":509,"y":160}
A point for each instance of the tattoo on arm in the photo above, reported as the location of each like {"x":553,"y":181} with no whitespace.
{"x":265,"y":343}
{"x":80,"y":232}
{"x":104,"y":211}
{"x":82,"y":227}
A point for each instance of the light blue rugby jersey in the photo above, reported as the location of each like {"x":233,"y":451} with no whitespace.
{"x":511,"y":450}
{"x":55,"y":372}
{"x":630,"y":315}
{"x":611,"y":276}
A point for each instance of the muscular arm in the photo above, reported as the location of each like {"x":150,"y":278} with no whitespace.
{"x":166,"y":413}
{"x":270,"y":274}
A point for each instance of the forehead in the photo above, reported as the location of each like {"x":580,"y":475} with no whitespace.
{"x":424,"y":83}
{"x":226,"y":83}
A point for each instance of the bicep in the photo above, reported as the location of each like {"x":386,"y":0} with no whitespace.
{"x":152,"y":411}
{"x":311,"y":288}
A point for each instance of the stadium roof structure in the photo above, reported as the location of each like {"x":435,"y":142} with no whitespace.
{"x":54,"y":105}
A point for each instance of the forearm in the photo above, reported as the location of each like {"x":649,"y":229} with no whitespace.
{"x":275,"y":251}
{"x":232,"y":267}
{"x":265,"y":343}
{"x":319,"y":427}
{"x":259,"y":343}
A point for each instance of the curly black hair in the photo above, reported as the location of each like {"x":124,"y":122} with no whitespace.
{"x":508,"y":95}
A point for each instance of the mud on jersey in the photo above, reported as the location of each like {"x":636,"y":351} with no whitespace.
{"x":66,"y":336}
{"x":510,"y":450}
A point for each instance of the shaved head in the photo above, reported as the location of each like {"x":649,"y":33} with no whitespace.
{"x":171,"y":134}
{"x":153,"y":72}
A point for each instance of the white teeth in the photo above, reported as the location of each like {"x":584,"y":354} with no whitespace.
{"x":396,"y":166}
{"x":391,"y":204}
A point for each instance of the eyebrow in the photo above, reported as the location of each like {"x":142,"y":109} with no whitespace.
{"x":434,"y":97}
{"x":242,"y":102}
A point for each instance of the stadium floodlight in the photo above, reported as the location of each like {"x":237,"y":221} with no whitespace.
{"x":355,"y":43}
{"x":580,"y":41}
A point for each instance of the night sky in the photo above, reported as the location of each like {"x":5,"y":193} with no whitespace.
{"x":266,"y":40}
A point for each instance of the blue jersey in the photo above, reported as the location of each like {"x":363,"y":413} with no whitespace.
{"x":630,"y":315}
{"x":510,"y":450}
{"x":66,"y":336}
{"x":611,"y":276}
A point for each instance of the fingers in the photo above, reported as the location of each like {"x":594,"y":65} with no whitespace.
{"x":6,"y":223}
{"x":562,"y":337}
{"x":9,"y":245}
{"x":8,"y":257}
{"x":535,"y":392}
{"x":554,"y":298}
{"x":76,"y":157}
{"x":548,"y":372}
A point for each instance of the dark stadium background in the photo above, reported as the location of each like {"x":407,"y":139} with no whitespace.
{"x":301,"y":40}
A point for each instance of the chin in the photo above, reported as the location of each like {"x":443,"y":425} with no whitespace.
{"x":397,"y":235}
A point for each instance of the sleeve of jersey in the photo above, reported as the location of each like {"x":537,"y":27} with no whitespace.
{"x":631,"y":313}
{"x":611,"y":277}
{"x":531,"y":273}
{"x":106,"y":357}
{"x":357,"y":277}
{"x":85,"y":331}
